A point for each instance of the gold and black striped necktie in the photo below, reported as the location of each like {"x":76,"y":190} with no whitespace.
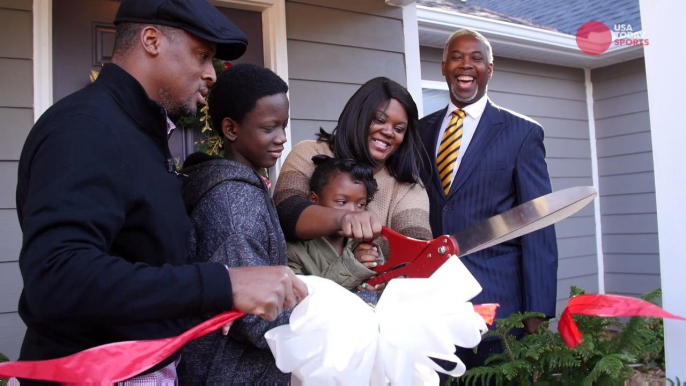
{"x":449,"y":149}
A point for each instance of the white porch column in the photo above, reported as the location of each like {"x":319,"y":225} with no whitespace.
{"x":412,"y":65}
{"x":662,"y":23}
{"x":42,"y":57}
{"x":413,"y":69}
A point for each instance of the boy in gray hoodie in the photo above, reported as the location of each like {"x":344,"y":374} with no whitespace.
{"x":234,"y":220}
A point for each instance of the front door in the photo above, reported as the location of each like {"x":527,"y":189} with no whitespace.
{"x":83,"y":40}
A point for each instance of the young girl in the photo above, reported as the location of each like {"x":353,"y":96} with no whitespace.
{"x":346,"y":185}
{"x":234,"y":220}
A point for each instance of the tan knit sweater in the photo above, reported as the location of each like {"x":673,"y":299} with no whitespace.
{"x":402,"y":206}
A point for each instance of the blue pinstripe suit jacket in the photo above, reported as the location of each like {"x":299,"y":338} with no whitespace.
{"x":503,"y":167}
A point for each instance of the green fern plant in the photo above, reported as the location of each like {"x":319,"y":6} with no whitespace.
{"x":3,"y":358}
{"x":602,"y":358}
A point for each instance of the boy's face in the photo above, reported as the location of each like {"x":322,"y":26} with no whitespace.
{"x":258,"y":141}
{"x":342,"y":193}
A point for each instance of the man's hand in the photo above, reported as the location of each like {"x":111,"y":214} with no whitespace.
{"x":366,"y":254}
{"x":531,"y":325}
{"x":265,"y":291}
{"x":360,"y":226}
{"x":225,"y":329}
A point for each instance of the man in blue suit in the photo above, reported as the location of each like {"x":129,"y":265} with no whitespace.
{"x":485,"y":160}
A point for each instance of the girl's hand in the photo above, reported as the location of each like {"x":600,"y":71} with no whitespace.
{"x":367,"y":255}
{"x":375,"y":288}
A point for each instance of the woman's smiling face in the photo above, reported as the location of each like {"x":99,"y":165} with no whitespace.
{"x":387,"y":131}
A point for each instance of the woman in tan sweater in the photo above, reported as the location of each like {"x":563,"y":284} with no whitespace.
{"x":378,"y":127}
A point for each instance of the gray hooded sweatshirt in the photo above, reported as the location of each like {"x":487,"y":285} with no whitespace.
{"x":233,"y":222}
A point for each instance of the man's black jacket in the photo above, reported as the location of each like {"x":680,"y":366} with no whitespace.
{"x":105,"y":229}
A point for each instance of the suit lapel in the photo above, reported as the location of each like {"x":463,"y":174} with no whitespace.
{"x":489,"y":127}
{"x":433,"y":139}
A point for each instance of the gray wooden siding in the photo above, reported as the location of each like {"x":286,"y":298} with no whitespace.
{"x":24,"y":5}
{"x":16,"y":119}
{"x":10,"y":241}
{"x":334,"y":46}
{"x":555,"y":97}
{"x":369,"y":7}
{"x":627,"y":188}
{"x":12,"y":334}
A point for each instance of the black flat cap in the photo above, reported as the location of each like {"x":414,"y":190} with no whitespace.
{"x":197,"y":17}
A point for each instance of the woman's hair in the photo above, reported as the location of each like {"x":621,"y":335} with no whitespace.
{"x":329,"y":168}
{"x":237,"y":91}
{"x":350,"y":137}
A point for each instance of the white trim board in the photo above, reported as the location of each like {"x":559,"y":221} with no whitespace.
{"x":596,"y":181}
{"x":413,"y":66}
{"x":661,"y":22}
{"x":42,"y":57}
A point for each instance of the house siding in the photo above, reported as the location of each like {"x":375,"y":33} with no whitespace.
{"x":335,"y":46}
{"x":554,"y":96}
{"x":627,"y":186}
{"x":16,"y":119}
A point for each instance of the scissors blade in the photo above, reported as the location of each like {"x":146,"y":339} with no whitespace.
{"x":525,"y":218}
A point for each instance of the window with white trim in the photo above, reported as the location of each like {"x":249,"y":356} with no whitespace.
{"x":435,"y":96}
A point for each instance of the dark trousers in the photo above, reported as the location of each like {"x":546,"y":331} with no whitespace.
{"x":471,"y":359}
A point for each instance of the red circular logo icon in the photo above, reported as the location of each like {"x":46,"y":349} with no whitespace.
{"x":593,"y":37}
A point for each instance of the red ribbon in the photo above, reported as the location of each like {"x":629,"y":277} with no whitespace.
{"x":607,"y":306}
{"x":123,"y":360}
{"x":112,"y":362}
{"x":487,"y":311}
{"x":116,"y":362}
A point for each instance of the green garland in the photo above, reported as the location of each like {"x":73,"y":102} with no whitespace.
{"x":604,"y":356}
{"x":210,"y":143}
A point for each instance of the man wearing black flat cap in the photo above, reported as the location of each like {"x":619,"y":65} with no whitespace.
{"x":104,"y":227}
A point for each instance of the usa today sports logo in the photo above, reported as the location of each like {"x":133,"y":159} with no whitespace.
{"x":595,"y":37}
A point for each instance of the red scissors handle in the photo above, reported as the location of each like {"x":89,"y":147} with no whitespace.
{"x":413,"y":258}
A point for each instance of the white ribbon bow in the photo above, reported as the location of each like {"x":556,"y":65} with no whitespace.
{"x":334,"y":338}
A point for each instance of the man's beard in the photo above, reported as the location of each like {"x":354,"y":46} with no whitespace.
{"x":466,"y":100}
{"x":176,"y":109}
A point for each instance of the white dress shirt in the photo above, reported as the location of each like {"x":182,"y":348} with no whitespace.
{"x":471,"y":121}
